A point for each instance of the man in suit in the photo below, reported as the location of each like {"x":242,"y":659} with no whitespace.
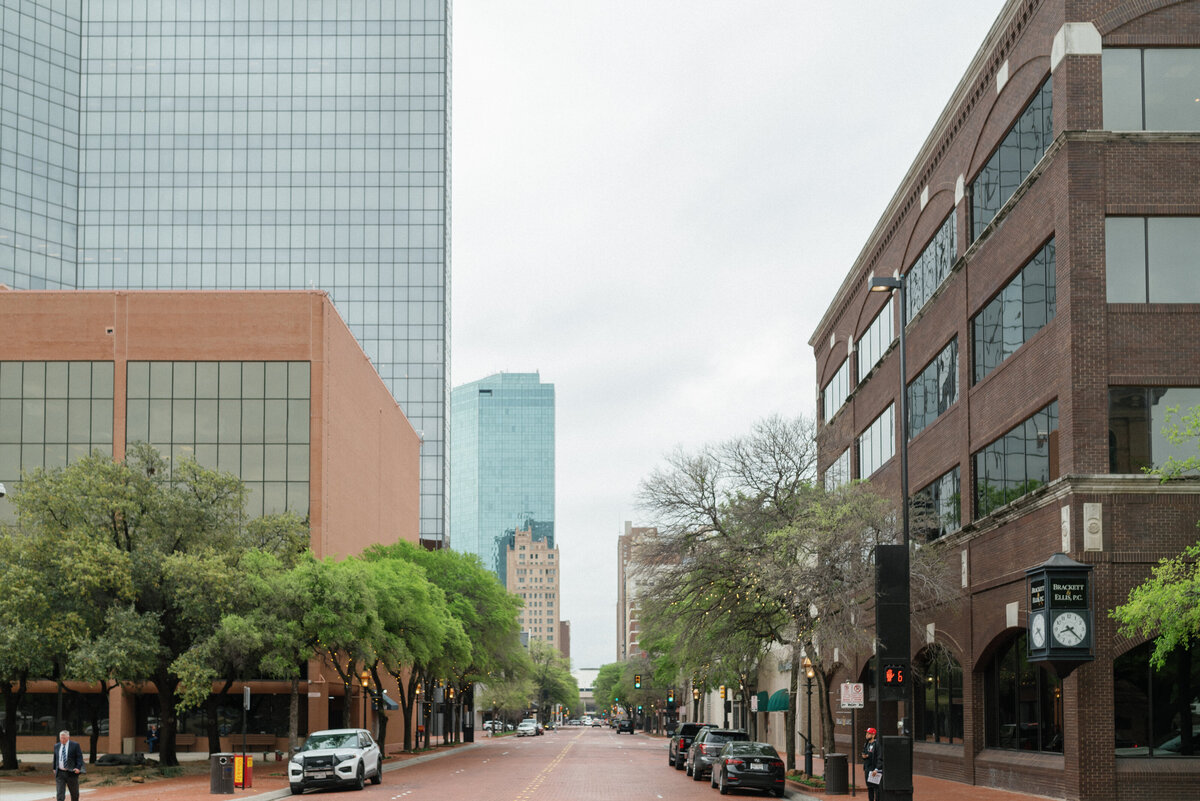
{"x":68,"y":764}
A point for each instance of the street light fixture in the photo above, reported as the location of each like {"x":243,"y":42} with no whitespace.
{"x":809,"y":673}
{"x":894,"y":591}
{"x":365,"y":677}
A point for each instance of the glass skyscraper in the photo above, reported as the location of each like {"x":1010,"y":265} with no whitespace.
{"x":502,"y":450}
{"x":242,"y":144}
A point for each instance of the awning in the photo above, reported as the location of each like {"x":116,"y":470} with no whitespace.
{"x":762,"y":700}
{"x":778,"y":702}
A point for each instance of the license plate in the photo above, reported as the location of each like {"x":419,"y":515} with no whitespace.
{"x":758,"y":766}
{"x":316,"y":774}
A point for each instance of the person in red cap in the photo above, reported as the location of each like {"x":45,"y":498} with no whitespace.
{"x":870,"y":762}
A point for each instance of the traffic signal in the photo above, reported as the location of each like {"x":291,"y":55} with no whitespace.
{"x":639,"y":709}
{"x":722,"y":692}
{"x":637,"y":681}
{"x":670,"y":696}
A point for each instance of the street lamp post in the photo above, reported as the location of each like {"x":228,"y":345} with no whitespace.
{"x":696,"y":704}
{"x":365,"y":677}
{"x":808,"y":746}
{"x":902,"y":601}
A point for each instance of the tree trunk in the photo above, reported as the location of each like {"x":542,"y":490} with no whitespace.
{"x":826,"y":710}
{"x":789,"y":717}
{"x":168,"y":722}
{"x":379,"y":715}
{"x":12,"y":701}
{"x":294,"y":718}
{"x":211,"y":727}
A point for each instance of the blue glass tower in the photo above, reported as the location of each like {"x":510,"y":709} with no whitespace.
{"x":242,"y":144}
{"x":502,"y":452}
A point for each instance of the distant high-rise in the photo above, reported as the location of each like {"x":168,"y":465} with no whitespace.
{"x":502,"y":452}
{"x":249,"y":145}
{"x":531,"y":571}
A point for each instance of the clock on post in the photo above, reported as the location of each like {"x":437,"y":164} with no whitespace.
{"x":1061,"y":603}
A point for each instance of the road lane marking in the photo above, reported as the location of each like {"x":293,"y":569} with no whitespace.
{"x":536,"y":781}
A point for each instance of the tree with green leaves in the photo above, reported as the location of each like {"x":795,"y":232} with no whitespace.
{"x":552,"y":680}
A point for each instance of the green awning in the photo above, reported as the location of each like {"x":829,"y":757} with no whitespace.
{"x":762,"y":700}
{"x":778,"y":702}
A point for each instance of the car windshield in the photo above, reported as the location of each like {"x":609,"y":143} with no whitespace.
{"x":331,"y":740}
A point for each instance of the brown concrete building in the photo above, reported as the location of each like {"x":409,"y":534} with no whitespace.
{"x":269,"y":385}
{"x":628,"y":617}
{"x":1047,"y":234}
{"x":532,"y":572}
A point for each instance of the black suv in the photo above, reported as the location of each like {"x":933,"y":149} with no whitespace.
{"x":625,"y":724}
{"x":681,"y":741}
{"x":706,"y":746}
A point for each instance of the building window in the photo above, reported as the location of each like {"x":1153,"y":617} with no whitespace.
{"x":1022,"y":308}
{"x":1017,"y":463}
{"x":939,"y":697}
{"x":1020,"y":150}
{"x":932,"y":267}
{"x":1136,"y":418}
{"x":1151,"y":259}
{"x":875,"y":342}
{"x":934,"y":391}
{"x":1152,"y":89}
{"x":936,"y":510}
{"x":836,"y":391}
{"x":1023,"y":702}
{"x":878,"y":443}
{"x":838,"y":473}
{"x":1156,"y":713}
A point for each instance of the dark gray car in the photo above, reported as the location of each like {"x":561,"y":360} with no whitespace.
{"x":706,"y":746}
{"x":681,"y":741}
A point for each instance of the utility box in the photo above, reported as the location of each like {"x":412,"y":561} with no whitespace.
{"x":220,"y":777}
{"x":243,"y":771}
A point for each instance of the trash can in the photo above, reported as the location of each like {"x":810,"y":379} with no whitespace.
{"x":468,"y":733}
{"x":243,"y":771}
{"x":837,"y":774}
{"x":220,"y":777}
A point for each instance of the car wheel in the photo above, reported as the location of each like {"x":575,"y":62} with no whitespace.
{"x":779,"y":793}
{"x":697,"y":774}
{"x":689,"y":770}
{"x":377,"y":776}
{"x":297,"y":789}
{"x":713,"y":778}
{"x":670,"y":759}
{"x":679,"y":763}
{"x":724,"y":789}
{"x":358,"y":779}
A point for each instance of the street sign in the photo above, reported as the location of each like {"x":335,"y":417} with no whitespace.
{"x":754,"y":703}
{"x":852,"y":695}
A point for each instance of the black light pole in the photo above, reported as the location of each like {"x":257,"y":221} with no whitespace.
{"x":898,"y":284}
{"x":808,"y":747}
{"x":695,"y":704}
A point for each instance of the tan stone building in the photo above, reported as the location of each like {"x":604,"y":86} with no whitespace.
{"x":532,"y":572}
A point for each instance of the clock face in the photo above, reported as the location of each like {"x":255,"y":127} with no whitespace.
{"x":1069,"y":629}
{"x":1037,"y":630}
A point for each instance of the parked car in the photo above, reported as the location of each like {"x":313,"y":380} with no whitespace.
{"x":336,"y":757}
{"x":706,"y":746}
{"x":596,"y":722}
{"x":681,"y":741}
{"x":624,"y":724}
{"x":748,"y":764}
{"x":527,"y":728}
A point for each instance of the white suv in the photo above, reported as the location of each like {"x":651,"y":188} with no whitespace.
{"x":336,"y":757}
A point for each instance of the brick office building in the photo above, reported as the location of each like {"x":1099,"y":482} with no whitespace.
{"x":271,"y":386}
{"x":1048,"y":233}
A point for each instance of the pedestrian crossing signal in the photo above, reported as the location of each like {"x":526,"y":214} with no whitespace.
{"x":894,"y":675}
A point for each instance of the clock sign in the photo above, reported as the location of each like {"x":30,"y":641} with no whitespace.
{"x":1060,"y":613}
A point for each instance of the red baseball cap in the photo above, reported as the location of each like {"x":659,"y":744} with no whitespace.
{"x":872,"y":731}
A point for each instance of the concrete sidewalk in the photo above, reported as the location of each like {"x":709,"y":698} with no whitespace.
{"x":925,"y":788}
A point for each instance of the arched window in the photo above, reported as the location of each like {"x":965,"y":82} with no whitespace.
{"x":1024,"y":702}
{"x":1156,"y":712}
{"x":938,"y":697}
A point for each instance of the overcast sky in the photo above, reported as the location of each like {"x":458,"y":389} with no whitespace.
{"x":653,"y":204}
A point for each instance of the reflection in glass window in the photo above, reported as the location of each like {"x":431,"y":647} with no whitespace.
{"x":1017,"y":463}
{"x":838,"y":473}
{"x":932,"y":267}
{"x":1021,"y":149}
{"x":1023,"y":702}
{"x":1151,"y":89}
{"x":934,"y":391}
{"x":939,"y":696}
{"x":1136,"y":418}
{"x":836,"y":391}
{"x":936,"y":510}
{"x":878,"y":443}
{"x":875,"y":341}
{"x":1156,"y":712}
{"x":1021,"y":309}
{"x":1151,"y":259}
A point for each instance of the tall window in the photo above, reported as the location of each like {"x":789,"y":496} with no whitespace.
{"x":838,"y":473}
{"x":1151,"y":259}
{"x":1156,"y":712}
{"x":934,"y":391}
{"x":875,"y":341}
{"x":1021,"y":149}
{"x":1017,"y":463}
{"x":1021,"y":309}
{"x":836,"y":391}
{"x":878,"y":443}
{"x":936,"y":510}
{"x":1151,"y":89}
{"x":1136,"y":417}
{"x":939,"y":697}
{"x":1024,"y":709}
{"x":933,"y":266}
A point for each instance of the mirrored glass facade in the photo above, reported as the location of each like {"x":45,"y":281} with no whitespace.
{"x":502,"y":435}
{"x":259,"y":144}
